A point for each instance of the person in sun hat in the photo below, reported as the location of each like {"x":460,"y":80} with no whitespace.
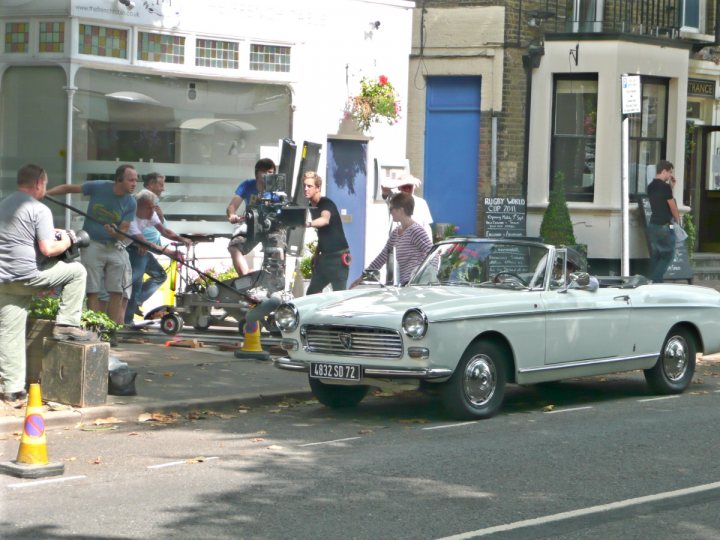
{"x":407,"y":183}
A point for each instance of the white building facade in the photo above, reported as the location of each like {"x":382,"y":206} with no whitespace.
{"x":197,"y":91}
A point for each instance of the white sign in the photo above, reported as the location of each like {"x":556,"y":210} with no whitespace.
{"x":631,"y":94}
{"x":159,"y":13}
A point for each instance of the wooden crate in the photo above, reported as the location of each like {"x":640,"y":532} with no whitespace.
{"x":75,"y":373}
{"x":36,"y":332}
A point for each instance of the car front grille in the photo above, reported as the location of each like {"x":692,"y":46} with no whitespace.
{"x":364,"y":341}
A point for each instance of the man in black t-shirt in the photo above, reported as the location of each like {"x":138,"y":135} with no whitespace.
{"x":664,"y":211}
{"x":332,"y":258}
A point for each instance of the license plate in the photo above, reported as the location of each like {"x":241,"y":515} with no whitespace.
{"x":346,"y":372}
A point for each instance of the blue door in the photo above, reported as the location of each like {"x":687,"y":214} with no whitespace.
{"x":346,"y":187}
{"x":452,"y":146}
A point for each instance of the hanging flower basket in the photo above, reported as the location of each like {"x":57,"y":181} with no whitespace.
{"x":376,"y":102}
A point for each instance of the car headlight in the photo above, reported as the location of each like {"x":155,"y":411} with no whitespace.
{"x":287,"y":317}
{"x":414,"y":323}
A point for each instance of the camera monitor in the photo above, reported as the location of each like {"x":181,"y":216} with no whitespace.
{"x":292,"y":216}
{"x":275,"y":183}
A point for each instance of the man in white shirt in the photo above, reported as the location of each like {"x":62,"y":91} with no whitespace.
{"x":407,"y":184}
{"x":145,"y":217}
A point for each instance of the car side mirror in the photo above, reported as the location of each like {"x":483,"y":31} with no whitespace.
{"x":371,"y":275}
{"x":581,"y":279}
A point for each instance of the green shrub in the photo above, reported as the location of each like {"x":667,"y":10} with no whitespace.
{"x":306,"y":262}
{"x":556,"y":227}
{"x":689,"y":225}
{"x":46,"y":306}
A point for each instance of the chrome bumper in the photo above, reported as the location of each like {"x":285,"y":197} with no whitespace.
{"x":372,"y":373}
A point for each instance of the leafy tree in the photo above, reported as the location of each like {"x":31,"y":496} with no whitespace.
{"x":556,"y":227}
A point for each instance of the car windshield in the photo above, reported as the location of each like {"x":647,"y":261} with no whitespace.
{"x":493,"y":263}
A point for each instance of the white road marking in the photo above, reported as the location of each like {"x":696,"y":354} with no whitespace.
{"x":330,"y":442}
{"x":44,"y":482}
{"x":568,"y":410}
{"x":183,"y":462}
{"x":585,"y":511}
{"x":657,"y":398}
{"x":451,"y":425}
{"x":717,"y":391}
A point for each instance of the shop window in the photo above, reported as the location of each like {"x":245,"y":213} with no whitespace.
{"x":217,"y":54}
{"x":103,"y":41}
{"x":161,"y":48}
{"x":574,"y":132}
{"x":33,"y":124}
{"x":17,"y":37}
{"x":269,"y":58}
{"x":204,"y":136}
{"x":648,"y":139}
{"x":52,"y":37}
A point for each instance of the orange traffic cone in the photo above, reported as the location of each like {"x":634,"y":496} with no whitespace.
{"x":251,"y":347}
{"x":32,"y":458}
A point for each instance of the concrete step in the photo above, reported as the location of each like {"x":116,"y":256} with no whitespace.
{"x":706,"y":260}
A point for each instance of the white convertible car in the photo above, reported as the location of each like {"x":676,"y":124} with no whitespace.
{"x":480,"y":314}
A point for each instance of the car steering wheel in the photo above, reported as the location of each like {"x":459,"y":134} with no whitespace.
{"x":496,"y":277}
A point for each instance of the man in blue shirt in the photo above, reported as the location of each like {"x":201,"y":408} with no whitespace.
{"x":111,"y":209}
{"x":247,"y":191}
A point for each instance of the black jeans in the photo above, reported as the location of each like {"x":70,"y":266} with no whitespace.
{"x":329,"y":269}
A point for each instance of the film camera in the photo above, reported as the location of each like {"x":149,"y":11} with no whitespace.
{"x":78,"y":239}
{"x":272,"y":210}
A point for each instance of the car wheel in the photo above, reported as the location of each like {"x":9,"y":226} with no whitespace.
{"x":171,"y":324}
{"x":337,"y":396}
{"x":675,"y":366}
{"x":477,"y":388}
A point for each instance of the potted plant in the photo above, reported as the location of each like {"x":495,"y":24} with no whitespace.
{"x":556,"y":227}
{"x":376,"y":102}
{"x":45,"y":307}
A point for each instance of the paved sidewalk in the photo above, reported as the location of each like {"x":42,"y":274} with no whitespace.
{"x":176,"y":379}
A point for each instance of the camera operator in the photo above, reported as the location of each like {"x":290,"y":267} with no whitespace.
{"x":28,"y":241}
{"x":247,"y":191}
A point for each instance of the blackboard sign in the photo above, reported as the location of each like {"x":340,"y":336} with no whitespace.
{"x":505,"y":217}
{"x":680,"y":266}
{"x":508,"y":258}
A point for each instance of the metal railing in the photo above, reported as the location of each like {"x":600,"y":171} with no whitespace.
{"x":659,"y":18}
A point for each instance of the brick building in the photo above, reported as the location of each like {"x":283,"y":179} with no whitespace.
{"x":547,"y":100}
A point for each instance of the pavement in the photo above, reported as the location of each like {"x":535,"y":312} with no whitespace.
{"x":174,"y":379}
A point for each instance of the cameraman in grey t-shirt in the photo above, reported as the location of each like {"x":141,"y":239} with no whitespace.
{"x":28,"y":241}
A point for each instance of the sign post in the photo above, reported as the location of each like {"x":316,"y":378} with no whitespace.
{"x":631,"y":104}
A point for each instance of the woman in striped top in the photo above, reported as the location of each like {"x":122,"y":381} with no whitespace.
{"x":410,"y":241}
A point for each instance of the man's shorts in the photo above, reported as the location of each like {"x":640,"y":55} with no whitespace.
{"x":239,"y":240}
{"x":108,"y":268}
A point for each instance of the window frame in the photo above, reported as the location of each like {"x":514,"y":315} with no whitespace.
{"x":700,"y":16}
{"x":559,"y":77}
{"x":635,"y":142}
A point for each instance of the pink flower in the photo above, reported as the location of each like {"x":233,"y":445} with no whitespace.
{"x":383,"y":80}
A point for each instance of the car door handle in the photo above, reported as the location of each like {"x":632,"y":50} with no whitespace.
{"x":623,"y":298}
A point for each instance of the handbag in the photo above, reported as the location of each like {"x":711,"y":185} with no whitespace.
{"x":680,"y":234}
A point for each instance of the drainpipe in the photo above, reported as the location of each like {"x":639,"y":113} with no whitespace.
{"x":530,"y":61}
{"x":69,"y":149}
{"x":493,"y":154}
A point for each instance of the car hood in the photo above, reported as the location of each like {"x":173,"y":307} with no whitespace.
{"x":387,"y":305}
